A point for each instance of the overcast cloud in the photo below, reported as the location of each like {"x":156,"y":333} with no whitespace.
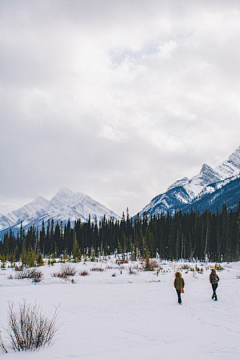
{"x":115,"y":99}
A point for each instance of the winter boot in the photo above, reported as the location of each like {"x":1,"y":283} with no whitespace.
{"x":215,"y":298}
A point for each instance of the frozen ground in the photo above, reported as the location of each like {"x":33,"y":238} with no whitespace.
{"x":132,"y":316}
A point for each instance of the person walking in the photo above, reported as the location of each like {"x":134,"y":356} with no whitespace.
{"x":179,"y":285}
{"x":214,"y":279}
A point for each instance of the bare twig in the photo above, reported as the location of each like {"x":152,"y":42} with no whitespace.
{"x":29,"y":329}
{"x":2,"y":347}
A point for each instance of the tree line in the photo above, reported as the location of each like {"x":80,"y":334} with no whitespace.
{"x":211,"y":236}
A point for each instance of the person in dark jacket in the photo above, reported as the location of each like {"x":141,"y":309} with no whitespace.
{"x":214,"y":279}
{"x":179,"y":284}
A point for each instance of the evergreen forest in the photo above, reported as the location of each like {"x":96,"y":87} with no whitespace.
{"x":211,"y":236}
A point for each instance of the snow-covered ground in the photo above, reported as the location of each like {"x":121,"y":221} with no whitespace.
{"x":105,"y":317}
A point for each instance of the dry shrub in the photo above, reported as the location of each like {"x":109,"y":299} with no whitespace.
{"x":84,"y":273}
{"x":131,"y":271}
{"x":97,"y":269}
{"x":114,"y":274}
{"x":10,"y":277}
{"x":185,"y":266}
{"x":34,"y":274}
{"x":149,"y":264}
{"x":60,"y":275}
{"x":122,"y":262}
{"x":66,"y":270}
{"x":29,"y":329}
{"x":110,"y":267}
{"x":19,"y":268}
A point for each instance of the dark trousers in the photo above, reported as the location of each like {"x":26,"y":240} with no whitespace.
{"x":179,"y":296}
{"x":214,"y":287}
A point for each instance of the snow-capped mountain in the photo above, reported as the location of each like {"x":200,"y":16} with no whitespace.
{"x":215,"y":195}
{"x":63,"y":206}
{"x":186,"y":193}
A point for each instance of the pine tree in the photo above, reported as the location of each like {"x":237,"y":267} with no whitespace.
{"x":238,"y":222}
{"x":225,"y":233}
{"x":24,"y":252}
{"x":16,"y":253}
{"x":75,"y":248}
{"x":40,"y":259}
{"x":42,"y":239}
{"x":6,"y":246}
{"x":30,"y":258}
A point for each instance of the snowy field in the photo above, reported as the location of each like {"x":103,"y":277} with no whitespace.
{"x":132,"y":316}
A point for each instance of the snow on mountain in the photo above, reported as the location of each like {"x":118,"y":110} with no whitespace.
{"x":185,"y":191}
{"x":180,"y":182}
{"x":213,"y":196}
{"x":209,"y":189}
{"x":231,"y":166}
{"x":206,"y":176}
{"x":63,"y":206}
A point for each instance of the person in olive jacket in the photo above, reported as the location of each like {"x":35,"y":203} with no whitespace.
{"x":214,"y":279}
{"x":179,"y":284}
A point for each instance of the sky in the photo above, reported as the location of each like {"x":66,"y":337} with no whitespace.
{"x":115,"y":99}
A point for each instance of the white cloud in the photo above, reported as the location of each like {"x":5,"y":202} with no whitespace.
{"x":166,"y":50}
{"x":116,"y":99}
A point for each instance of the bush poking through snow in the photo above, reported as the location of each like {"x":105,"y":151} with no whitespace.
{"x":197,"y":269}
{"x":34,"y":274}
{"x":97,"y":269}
{"x":51,"y":262}
{"x":66,"y":270}
{"x":185,"y":267}
{"x":149,"y":264}
{"x":124,"y":261}
{"x":131,"y":271}
{"x":110,"y":267}
{"x":29,"y":329}
{"x":19,"y":268}
{"x":60,"y":275}
{"x":218,"y":267}
{"x":84,"y":273}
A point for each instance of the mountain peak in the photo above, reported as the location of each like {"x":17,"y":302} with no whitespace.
{"x":231,"y":166}
{"x":205,"y":169}
{"x":65,"y":192}
{"x":177,"y":183}
{"x":234,"y":158}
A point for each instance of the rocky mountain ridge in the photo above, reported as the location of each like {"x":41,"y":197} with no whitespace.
{"x":188,"y":192}
{"x":63,"y":206}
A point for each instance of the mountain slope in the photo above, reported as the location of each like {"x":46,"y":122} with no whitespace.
{"x":215,"y":195}
{"x":185,"y":191}
{"x":63,"y":206}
